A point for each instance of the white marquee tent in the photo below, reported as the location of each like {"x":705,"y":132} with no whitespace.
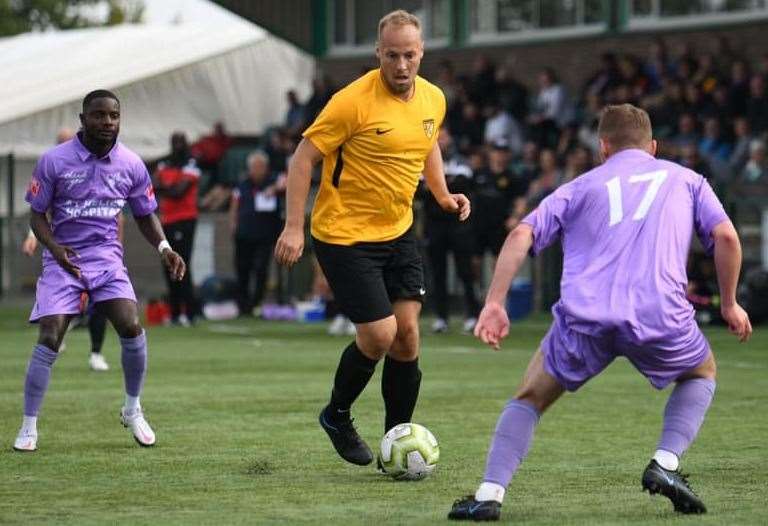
{"x":168,"y":77}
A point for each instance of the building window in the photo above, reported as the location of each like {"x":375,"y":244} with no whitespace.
{"x":646,"y":13}
{"x":355,"y":22}
{"x":515,"y":19}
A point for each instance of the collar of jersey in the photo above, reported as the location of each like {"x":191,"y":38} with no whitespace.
{"x":84,"y":153}
{"x":630,"y":153}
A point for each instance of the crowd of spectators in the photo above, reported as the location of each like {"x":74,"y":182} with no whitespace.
{"x":520,"y":141}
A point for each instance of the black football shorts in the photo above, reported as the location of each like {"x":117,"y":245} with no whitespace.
{"x":367,"y":277}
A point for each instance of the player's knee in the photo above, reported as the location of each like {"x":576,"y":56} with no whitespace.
{"x":128,"y":328}
{"x":405,"y":348}
{"x":533,"y":397}
{"x":51,"y":335}
{"x":376,"y":341}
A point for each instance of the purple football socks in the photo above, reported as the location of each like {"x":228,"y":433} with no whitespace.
{"x":38,"y":376}
{"x":511,"y":440}
{"x":684,"y":414}
{"x":134,"y":358}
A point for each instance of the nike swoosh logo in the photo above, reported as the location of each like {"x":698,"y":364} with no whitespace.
{"x":473,"y":508}
{"x":669,"y":480}
{"x":379,"y":131}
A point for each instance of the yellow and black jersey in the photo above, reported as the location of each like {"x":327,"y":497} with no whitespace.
{"x":374,"y":146}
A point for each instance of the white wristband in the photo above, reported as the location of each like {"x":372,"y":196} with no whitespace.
{"x":163,"y":245}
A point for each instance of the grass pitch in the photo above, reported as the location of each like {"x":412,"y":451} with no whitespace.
{"x":235,"y":405}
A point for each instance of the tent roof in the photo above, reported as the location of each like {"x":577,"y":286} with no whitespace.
{"x":44,"y":70}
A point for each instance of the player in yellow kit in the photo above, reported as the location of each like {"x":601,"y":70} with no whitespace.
{"x":376,"y":137}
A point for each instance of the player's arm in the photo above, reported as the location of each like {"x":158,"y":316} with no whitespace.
{"x":150,"y":228}
{"x":38,"y":222}
{"x":290,"y":244}
{"x":493,"y":323}
{"x":234,"y":210}
{"x":434,"y":176}
{"x":728,"y":265}
{"x":29,"y":245}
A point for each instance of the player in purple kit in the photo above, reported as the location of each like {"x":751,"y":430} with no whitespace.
{"x":84,"y":183}
{"x":626,"y":228}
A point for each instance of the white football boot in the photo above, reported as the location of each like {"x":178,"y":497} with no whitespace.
{"x":97,"y":362}
{"x":134,"y":419}
{"x":439,"y":326}
{"x":337,"y":326}
{"x":469,"y":325}
{"x":26,"y":441}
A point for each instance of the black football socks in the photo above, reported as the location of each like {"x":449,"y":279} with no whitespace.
{"x":352,"y":375}
{"x":400,"y":384}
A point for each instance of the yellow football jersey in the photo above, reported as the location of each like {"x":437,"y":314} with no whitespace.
{"x":374,"y":146}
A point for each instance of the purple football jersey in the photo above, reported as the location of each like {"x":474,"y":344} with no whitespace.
{"x":626,"y":229}
{"x":84,"y":195}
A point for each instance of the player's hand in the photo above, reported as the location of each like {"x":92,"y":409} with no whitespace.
{"x":290,"y":246}
{"x":64,"y":256}
{"x":29,"y":245}
{"x":737,"y":320}
{"x":457,"y":204}
{"x":174,"y":263}
{"x":492,"y":325}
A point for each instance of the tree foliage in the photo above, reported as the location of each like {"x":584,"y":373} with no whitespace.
{"x":21,"y":16}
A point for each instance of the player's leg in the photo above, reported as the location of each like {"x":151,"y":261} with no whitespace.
{"x":511,"y":442}
{"x":173,"y":233}
{"x":437,"y":250}
{"x":401,"y":377}
{"x":565,"y":361}
{"x":52,"y":329}
{"x":463,"y":249}
{"x":124,"y":316}
{"x":355,"y":276}
{"x":186,"y":288}
{"x":97,"y":327}
{"x":683,"y":415}
{"x":263,"y":258}
{"x":244,"y":255}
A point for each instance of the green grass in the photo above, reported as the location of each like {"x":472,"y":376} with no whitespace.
{"x":234,"y":406}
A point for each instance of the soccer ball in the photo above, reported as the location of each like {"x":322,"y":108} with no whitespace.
{"x":409,"y":452}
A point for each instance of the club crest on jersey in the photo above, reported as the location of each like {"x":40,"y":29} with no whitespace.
{"x":34,"y":186}
{"x":429,"y":127}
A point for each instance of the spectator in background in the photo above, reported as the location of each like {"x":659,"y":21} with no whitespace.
{"x":255,"y":221}
{"x":742,"y":140}
{"x":176,"y":181}
{"x":497,"y":188}
{"x":526,"y":168}
{"x":689,"y":157}
{"x":322,"y":90}
{"x":511,"y":94}
{"x":578,"y":162}
{"x":757,"y":105}
{"x":208,"y":151}
{"x":712,"y":146}
{"x":500,"y":126}
{"x":550,"y":109}
{"x":756,"y":169}
{"x":550,"y":177}
{"x":294,"y":117}
{"x":686,"y":131}
{"x":444,"y":233}
{"x":738,"y":90}
{"x":470,"y":129}
{"x":446,"y":80}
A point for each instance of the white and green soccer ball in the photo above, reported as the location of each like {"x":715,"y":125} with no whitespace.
{"x":409,"y":452}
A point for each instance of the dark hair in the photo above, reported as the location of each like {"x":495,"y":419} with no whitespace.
{"x":99,"y":94}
